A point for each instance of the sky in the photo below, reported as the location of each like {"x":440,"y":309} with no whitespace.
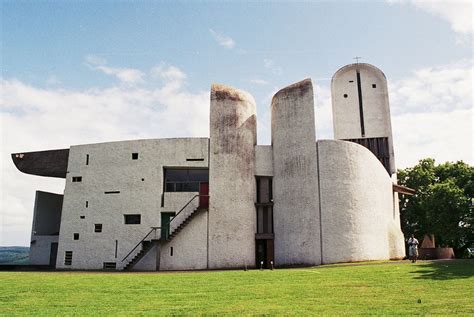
{"x":78,"y":72}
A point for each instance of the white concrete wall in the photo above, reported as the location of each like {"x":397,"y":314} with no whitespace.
{"x":111,"y":168}
{"x":357,"y":221}
{"x":189,"y":247}
{"x":295,"y":195}
{"x":263,"y":160}
{"x":346,"y":115}
{"x":232,"y":185}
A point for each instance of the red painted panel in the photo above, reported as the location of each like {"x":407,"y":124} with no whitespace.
{"x":204,"y":195}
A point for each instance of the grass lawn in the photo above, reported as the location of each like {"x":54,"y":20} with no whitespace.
{"x":444,"y":287}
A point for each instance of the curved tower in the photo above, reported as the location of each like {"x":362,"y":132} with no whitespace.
{"x":361,"y":111}
{"x":295,"y":209}
{"x":232,"y":185}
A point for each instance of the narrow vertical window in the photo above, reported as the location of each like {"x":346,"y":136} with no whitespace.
{"x":171,"y":251}
{"x":87,"y":204}
{"x":87,"y":159}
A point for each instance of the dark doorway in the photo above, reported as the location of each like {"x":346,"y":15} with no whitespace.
{"x":53,"y":254}
{"x":165,"y":224}
{"x":264,"y":253}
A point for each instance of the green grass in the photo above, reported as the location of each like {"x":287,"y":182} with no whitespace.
{"x":445,"y":287}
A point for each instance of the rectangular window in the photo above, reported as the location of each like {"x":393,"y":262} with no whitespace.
{"x":98,"y":227}
{"x":76,"y":179}
{"x":185,"y":180}
{"x":87,"y":204}
{"x":134,"y":156}
{"x":171,"y":251}
{"x":76,"y":236}
{"x":82,"y":217}
{"x":110,"y":265}
{"x":87,"y":159}
{"x":113,"y":192}
{"x":67,"y":257}
{"x":132,"y":219}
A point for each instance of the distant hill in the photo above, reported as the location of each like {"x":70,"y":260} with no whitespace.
{"x":14,"y":255}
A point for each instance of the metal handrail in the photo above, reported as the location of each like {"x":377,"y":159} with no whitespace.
{"x":152,"y":229}
{"x":167,"y":224}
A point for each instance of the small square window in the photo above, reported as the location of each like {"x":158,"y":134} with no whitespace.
{"x":76,"y":236}
{"x":76,"y":179}
{"x":374,"y":86}
{"x":98,"y":227}
{"x":134,"y":156}
{"x":132,"y":219}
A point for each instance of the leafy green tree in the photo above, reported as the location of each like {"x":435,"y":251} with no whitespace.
{"x":442,"y":204}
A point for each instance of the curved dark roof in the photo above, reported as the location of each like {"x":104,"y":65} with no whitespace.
{"x":51,"y":163}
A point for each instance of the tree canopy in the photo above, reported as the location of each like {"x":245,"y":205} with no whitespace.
{"x":442,"y":205}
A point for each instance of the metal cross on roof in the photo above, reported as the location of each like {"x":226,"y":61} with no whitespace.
{"x":357,"y":59}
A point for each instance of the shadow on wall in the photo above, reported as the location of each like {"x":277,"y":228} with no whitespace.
{"x":445,"y":269}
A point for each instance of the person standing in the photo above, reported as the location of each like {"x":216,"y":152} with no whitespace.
{"x":413,"y":248}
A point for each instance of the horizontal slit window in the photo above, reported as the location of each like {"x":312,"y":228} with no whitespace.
{"x":113,"y":192}
{"x":194,"y":159}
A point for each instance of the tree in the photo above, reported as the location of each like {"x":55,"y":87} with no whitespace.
{"x":442,"y":204}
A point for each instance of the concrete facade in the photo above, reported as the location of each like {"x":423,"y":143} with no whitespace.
{"x":224,"y":201}
{"x":233,"y":137}
{"x":297,"y":241}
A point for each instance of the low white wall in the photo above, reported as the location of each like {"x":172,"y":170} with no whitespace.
{"x":356,"y":204}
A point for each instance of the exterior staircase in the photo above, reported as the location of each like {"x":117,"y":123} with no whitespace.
{"x":147,"y":244}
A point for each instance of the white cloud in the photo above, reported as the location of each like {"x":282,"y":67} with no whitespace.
{"x":271,"y":65}
{"x":222,"y":39}
{"x":260,"y":82}
{"x":129,"y":76}
{"x":458,"y":13}
{"x":38,"y":119}
{"x":432,"y":114}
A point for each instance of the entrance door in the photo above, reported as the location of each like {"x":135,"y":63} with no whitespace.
{"x":264,"y":253}
{"x":261,"y":254}
{"x":204,"y":195}
{"x":53,"y":254}
{"x":165,"y":226}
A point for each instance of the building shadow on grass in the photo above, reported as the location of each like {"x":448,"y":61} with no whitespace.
{"x":445,"y":270}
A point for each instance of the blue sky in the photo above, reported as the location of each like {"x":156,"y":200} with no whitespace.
{"x":94,"y":71}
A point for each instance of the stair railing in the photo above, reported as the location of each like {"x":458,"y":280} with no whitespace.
{"x":153,"y":229}
{"x":168,"y":224}
{"x":165,"y":226}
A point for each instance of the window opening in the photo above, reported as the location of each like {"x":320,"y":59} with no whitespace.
{"x":67,"y":257}
{"x":184,"y":180}
{"x":132,"y":219}
{"x":76,"y":236}
{"x":98,"y":227}
{"x":76,"y":179}
{"x":134,"y":156}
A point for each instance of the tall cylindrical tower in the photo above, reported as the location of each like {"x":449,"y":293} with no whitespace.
{"x":295,"y":190}
{"x":232,"y":219}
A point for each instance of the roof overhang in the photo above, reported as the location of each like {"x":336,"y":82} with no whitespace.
{"x":403,"y":190}
{"x":51,"y":163}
